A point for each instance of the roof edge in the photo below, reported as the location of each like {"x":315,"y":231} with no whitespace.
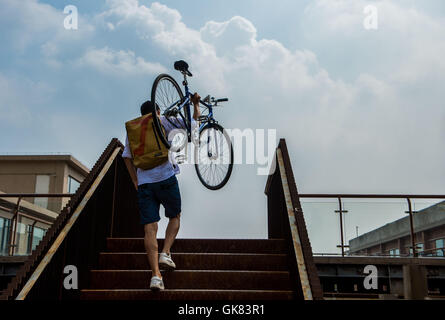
{"x":59,"y":157}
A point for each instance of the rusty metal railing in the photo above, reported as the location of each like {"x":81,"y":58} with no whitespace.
{"x":17,"y":213}
{"x":341,"y":211}
{"x":286,"y":221}
{"x":79,"y":232}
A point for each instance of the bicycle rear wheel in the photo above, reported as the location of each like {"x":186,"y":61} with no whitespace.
{"x":167,"y":95}
{"x":213,"y":157}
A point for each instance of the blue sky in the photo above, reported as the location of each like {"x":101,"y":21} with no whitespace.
{"x":361,"y":110}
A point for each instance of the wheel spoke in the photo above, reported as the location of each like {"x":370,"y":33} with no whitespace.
{"x":166,"y":94}
{"x":213,"y":169}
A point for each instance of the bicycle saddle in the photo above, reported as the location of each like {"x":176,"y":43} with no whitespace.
{"x":183,"y":67}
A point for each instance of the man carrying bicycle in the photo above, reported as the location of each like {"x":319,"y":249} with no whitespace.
{"x":155,"y":187}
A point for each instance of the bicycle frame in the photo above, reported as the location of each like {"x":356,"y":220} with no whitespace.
{"x":186,"y":106}
{"x":206,"y":141}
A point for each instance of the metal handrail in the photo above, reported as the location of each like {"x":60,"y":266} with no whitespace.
{"x":88,"y":236}
{"x":286,"y":221}
{"x":16,"y":213}
{"x":408,"y":197}
{"x":375,"y":196}
{"x":405,"y":255}
{"x":36,"y":195}
{"x":67,"y":227}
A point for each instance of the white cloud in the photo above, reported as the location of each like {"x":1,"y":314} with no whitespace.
{"x":157,"y":23}
{"x":119,"y":62}
{"x":229,"y":35}
{"x":32,"y":19}
{"x":408,"y":43}
{"x":365,"y":134}
{"x":333,"y":122}
{"x":36,"y":23}
{"x":380,"y":130}
{"x":19,"y":97}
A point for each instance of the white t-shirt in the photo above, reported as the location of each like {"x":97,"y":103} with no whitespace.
{"x":165,"y":170}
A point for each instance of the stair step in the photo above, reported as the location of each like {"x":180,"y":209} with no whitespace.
{"x":203,"y":245}
{"x":172,"y":294}
{"x":197,"y":261}
{"x":192,"y":279}
{"x":5,"y":279}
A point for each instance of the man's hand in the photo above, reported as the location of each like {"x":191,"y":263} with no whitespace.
{"x":195,"y":99}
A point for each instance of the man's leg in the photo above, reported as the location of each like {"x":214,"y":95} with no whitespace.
{"x":151,"y":247}
{"x":171,"y":232}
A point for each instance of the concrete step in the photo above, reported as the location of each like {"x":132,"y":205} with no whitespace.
{"x":198,"y":261}
{"x":203,"y":245}
{"x":192,"y":279}
{"x":185,"y":294}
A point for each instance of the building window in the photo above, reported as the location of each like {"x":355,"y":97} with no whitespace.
{"x":37,"y":236}
{"x":419,"y":247}
{"x":5,"y":225}
{"x":394,"y":252}
{"x":42,"y":186}
{"x":73,"y":185}
{"x":440,"y":244}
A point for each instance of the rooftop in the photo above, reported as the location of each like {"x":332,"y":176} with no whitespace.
{"x":425,"y":219}
{"x":72,"y":161}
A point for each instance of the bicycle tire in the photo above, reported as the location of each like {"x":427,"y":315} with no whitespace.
{"x":198,"y":150}
{"x":163,"y":99}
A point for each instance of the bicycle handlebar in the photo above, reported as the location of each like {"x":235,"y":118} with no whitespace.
{"x":208,"y":100}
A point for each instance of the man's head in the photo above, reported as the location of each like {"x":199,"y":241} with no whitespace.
{"x":148,"y":107}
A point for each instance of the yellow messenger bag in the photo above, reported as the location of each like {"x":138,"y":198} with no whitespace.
{"x":146,"y":148}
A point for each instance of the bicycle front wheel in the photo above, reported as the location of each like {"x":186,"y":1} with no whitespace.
{"x":213,"y":157}
{"x":167,"y":95}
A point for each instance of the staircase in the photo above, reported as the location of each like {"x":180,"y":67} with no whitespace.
{"x":207,"y":269}
{"x":92,"y":232}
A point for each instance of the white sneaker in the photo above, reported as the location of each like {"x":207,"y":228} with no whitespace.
{"x":156,"y":284}
{"x":166,"y":262}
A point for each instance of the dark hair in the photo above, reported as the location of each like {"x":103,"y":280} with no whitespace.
{"x":146,"y":107}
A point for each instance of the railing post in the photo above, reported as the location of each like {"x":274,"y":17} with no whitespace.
{"x":31,"y":235}
{"x":411,"y":224}
{"x":13,"y":228}
{"x":114,"y":198}
{"x":340,"y":210}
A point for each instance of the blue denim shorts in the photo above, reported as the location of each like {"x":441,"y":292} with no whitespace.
{"x":152,"y":195}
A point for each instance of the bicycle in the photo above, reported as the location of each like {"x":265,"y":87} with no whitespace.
{"x":213,"y":152}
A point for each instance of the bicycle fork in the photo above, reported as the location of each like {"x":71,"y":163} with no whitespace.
{"x":214,"y":155}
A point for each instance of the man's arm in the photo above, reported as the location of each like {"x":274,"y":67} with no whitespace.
{"x":196,"y":114}
{"x":196,"y":111}
{"x":132,"y":171}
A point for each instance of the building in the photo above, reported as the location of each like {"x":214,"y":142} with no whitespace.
{"x":394,"y":239}
{"x":36,"y":174}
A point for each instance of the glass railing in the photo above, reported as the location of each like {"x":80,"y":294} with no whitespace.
{"x":25,"y":218}
{"x":430,"y":242}
{"x":322,"y":225}
{"x":375,"y":225}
